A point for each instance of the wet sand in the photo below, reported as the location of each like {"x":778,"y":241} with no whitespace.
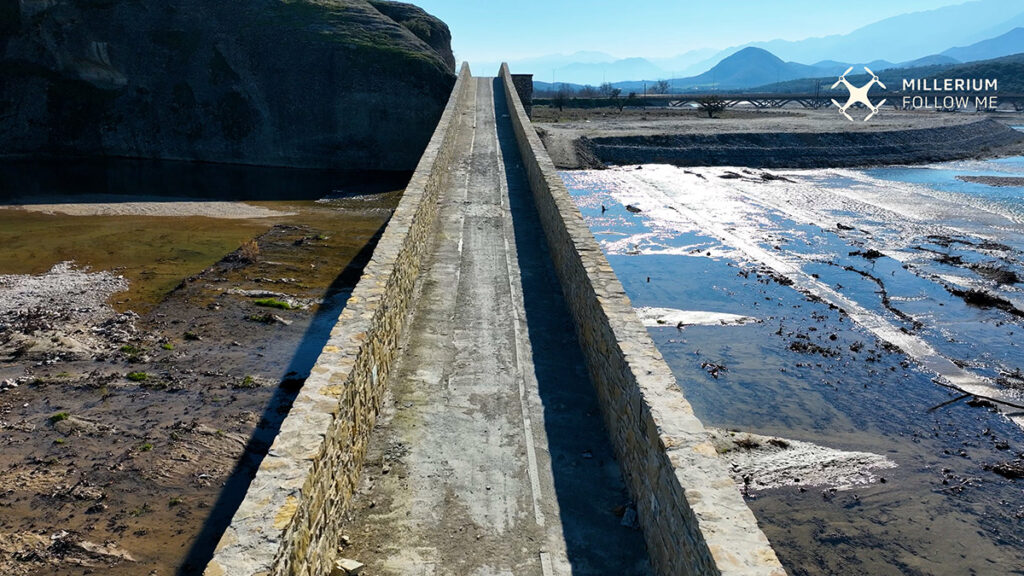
{"x":1001,"y":181}
{"x":129,"y":456}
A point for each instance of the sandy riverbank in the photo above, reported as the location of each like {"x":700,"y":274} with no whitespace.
{"x":116,"y":205}
{"x":792,"y":138}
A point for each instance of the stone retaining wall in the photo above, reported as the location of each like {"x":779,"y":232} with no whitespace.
{"x":806,"y":149}
{"x":289,"y":521}
{"x":692,"y":514}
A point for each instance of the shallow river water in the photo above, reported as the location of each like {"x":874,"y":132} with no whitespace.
{"x":157,"y":223}
{"x":877,"y":293}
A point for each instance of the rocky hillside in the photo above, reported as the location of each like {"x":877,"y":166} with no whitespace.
{"x":350,"y":84}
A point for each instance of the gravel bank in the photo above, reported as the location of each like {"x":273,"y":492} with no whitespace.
{"x":764,"y":462}
{"x":60,"y":315}
{"x":812,"y":139}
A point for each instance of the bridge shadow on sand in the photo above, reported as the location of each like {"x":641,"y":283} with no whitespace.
{"x":306,"y":353}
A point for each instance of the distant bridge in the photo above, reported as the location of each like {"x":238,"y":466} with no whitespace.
{"x":823,"y":100}
{"x":810,"y":100}
{"x":765,"y":100}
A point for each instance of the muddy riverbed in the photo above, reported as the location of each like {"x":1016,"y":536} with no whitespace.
{"x":847,"y":303}
{"x":150,"y":346}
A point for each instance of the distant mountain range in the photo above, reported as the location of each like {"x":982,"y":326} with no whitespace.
{"x":615,"y":70}
{"x":1010,"y":43}
{"x":1008,"y":70}
{"x":748,"y":67}
{"x":756,"y":67}
{"x":597,"y":67}
{"x":982,"y":29}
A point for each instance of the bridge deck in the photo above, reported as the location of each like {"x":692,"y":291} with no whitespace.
{"x":490,"y":458}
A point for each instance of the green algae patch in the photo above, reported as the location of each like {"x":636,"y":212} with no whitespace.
{"x":153,"y":253}
{"x":273,"y":303}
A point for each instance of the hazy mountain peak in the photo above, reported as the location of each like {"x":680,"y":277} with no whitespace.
{"x":751,"y":55}
{"x":1011,"y":42}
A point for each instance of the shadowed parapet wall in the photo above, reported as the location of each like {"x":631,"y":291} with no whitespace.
{"x":524,"y":87}
{"x":692,"y":514}
{"x":288,"y":523}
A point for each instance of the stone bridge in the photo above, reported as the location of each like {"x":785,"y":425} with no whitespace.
{"x":488,"y":402}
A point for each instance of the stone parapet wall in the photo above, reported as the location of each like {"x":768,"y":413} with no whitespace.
{"x":289,"y":522}
{"x":692,"y":514}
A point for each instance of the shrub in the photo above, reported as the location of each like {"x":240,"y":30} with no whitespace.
{"x":250,"y":251}
{"x":59,"y":416}
{"x":264,"y":318}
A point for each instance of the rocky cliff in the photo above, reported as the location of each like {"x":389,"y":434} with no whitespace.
{"x":350,"y":84}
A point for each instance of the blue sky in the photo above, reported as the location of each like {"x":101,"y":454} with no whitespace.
{"x":486,"y":31}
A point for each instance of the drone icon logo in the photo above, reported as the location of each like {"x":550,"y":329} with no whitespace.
{"x":858,"y":95}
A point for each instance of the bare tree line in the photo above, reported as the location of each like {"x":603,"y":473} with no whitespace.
{"x":606,"y":90}
{"x":562,"y":96}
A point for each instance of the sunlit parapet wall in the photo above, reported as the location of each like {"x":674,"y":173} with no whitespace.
{"x":692,"y":514}
{"x":289,"y":522}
